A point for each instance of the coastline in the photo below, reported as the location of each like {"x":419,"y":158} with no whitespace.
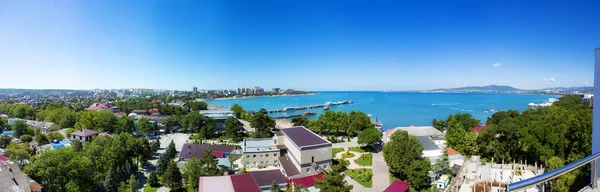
{"x":252,"y":96}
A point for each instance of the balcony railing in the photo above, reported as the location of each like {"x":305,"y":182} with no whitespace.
{"x":544,"y":178}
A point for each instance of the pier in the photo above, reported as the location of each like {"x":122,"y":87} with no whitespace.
{"x":310,"y":106}
{"x":297,"y":115}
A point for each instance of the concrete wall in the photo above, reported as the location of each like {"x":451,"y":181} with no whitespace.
{"x":320,"y":154}
{"x":596,"y":112}
{"x":293,"y":152}
{"x":268,"y":158}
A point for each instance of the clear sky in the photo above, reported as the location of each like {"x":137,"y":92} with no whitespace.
{"x":308,"y":45}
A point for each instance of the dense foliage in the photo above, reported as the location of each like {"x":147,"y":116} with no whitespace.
{"x":101,"y":164}
{"x":233,"y":128}
{"x":403,"y":156}
{"x":262,"y":123}
{"x":369,"y":137}
{"x":338,"y":123}
{"x":195,"y":168}
{"x":552,"y":136}
{"x":333,"y":181}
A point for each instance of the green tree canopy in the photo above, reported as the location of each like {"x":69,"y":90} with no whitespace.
{"x":300,"y":121}
{"x":26,"y":138}
{"x":262,"y":123}
{"x":197,"y":105}
{"x":19,"y":128}
{"x":153,"y":179}
{"x":237,"y":110}
{"x":58,"y":170}
{"x":233,"y":128}
{"x":172,"y":176}
{"x":125,"y":124}
{"x":145,"y":126}
{"x":369,"y":136}
{"x":333,"y":181}
{"x":400,"y":152}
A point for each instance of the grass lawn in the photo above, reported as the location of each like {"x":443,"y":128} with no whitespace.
{"x":357,"y":149}
{"x":335,"y":151}
{"x":365,"y":160}
{"x":354,"y":174}
{"x":147,"y":188}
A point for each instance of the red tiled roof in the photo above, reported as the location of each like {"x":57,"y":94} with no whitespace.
{"x":452,"y":152}
{"x":97,"y":106}
{"x":306,"y":181}
{"x":479,"y":128}
{"x":398,"y":186}
{"x":244,"y":182}
{"x":35,"y":187}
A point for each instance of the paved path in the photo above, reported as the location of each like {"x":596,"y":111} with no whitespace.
{"x":357,"y":187}
{"x":381,"y":174}
{"x":352,"y":143}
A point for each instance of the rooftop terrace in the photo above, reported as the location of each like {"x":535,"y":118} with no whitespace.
{"x":259,"y":145}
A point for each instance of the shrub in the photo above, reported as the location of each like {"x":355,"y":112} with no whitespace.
{"x":26,"y":138}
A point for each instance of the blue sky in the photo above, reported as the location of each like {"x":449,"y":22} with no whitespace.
{"x":308,"y":45}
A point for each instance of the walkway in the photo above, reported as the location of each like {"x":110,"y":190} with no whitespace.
{"x":381,"y":173}
{"x":352,"y":164}
{"x":352,"y":143}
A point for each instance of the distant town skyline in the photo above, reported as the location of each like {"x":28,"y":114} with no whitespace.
{"x":304,"y":45}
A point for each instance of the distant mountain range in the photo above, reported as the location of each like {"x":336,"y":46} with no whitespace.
{"x":571,"y":88}
{"x":504,"y":88}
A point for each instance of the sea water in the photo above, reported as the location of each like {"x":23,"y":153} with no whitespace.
{"x":395,"y":109}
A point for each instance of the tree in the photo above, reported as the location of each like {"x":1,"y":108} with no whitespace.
{"x":4,"y":141}
{"x":442,"y":166}
{"x":20,"y":156}
{"x":26,"y":138}
{"x":133,"y":183}
{"x":172,"y":123}
{"x":162,"y":162}
{"x":194,"y":122}
{"x":233,"y":128}
{"x":300,"y":121}
{"x":197,"y":105}
{"x":171,"y":151}
{"x":76,"y":145}
{"x":123,"y":187}
{"x":145,"y":126}
{"x":358,"y":121}
{"x":400,"y":152}
{"x":125,"y":124}
{"x":418,"y":173}
{"x":141,"y":149}
{"x":62,"y":170}
{"x":275,"y":187}
{"x":237,"y":110}
{"x":41,"y":139}
{"x":196,"y":168}
{"x":369,"y":137}
{"x":439,"y":124}
{"x":55,"y":136}
{"x":3,"y":123}
{"x":172,"y":176}
{"x":19,"y":128}
{"x":333,"y":181}
{"x":111,"y":182}
{"x":262,"y":123}
{"x":153,"y":179}
{"x":455,"y":135}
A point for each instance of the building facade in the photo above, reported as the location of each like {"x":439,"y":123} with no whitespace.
{"x":219,"y":116}
{"x":260,"y":152}
{"x":304,"y":153}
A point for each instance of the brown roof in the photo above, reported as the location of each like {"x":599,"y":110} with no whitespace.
{"x":140,"y":112}
{"x":197,"y":150}
{"x":278,"y":133}
{"x":266,"y":178}
{"x":85,"y":133}
{"x":288,"y":166}
{"x":281,"y":147}
{"x":244,"y":182}
{"x":303,"y":137}
{"x":452,"y":152}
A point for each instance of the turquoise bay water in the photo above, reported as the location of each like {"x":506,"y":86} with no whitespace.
{"x":395,"y":109}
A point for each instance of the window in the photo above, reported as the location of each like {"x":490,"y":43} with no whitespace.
{"x":261,"y":155}
{"x":266,"y":162}
{"x":274,"y":162}
{"x":313,"y":159}
{"x":308,"y":170}
{"x":247,"y":156}
{"x":275,"y":154}
{"x":261,"y":162}
{"x":247,"y":163}
{"x":267,"y":155}
{"x":253,"y":156}
{"x":325,"y":166}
